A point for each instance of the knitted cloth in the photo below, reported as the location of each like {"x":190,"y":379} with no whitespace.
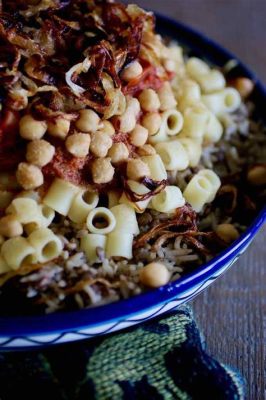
{"x":161,"y":359}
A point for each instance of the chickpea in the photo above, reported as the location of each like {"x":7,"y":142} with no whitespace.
{"x":137,"y":169}
{"x":131,"y":71}
{"x":127,"y":122}
{"x":78,"y":144}
{"x":244,"y":86}
{"x":169,"y":65}
{"x":139,"y":136}
{"x":257,"y":175}
{"x":118,"y":153}
{"x":31,"y":129}
{"x":88,"y":121}
{"x":100,"y":144}
{"x":227,"y":232}
{"x":167,"y":98}
{"x":152,"y":122}
{"x":107,"y":128}
{"x":149,"y":100}
{"x":154,"y":275}
{"x":133,"y":105}
{"x":29,"y":176}
{"x":39,"y":152}
{"x":102,"y":170}
{"x":10,"y":226}
{"x":146,"y":150}
{"x":59,"y":127}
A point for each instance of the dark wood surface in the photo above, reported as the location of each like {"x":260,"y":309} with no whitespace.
{"x":232,"y":312}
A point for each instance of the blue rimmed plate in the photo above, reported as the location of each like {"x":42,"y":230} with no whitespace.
{"x":25,"y":332}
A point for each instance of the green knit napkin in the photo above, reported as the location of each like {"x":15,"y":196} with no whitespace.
{"x":161,"y":359}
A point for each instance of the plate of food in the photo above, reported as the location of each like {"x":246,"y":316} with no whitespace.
{"x":132,"y":167}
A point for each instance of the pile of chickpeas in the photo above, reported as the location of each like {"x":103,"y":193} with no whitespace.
{"x":95,"y":136}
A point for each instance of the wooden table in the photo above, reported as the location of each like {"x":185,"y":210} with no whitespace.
{"x":232,"y":312}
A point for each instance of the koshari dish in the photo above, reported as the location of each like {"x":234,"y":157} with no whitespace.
{"x":123,"y":161}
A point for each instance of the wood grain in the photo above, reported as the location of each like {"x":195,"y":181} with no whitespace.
{"x":232,"y":312}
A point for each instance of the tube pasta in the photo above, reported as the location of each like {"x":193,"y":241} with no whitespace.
{"x":189,"y":94}
{"x":195,"y":121}
{"x":211,"y":82}
{"x":89,"y":244}
{"x":196,"y":67}
{"x":159,"y":136}
{"x":173,"y":121}
{"x":214,"y":130}
{"x":193,"y":149}
{"x":173,"y":155}
{"x":168,"y":200}
{"x":156,"y":166}
{"x":113,"y":198}
{"x":214,"y":180}
{"x":48,"y":215}
{"x":226,"y":100}
{"x":60,"y":196}
{"x":126,"y":220}
{"x":3,"y":266}
{"x":17,"y":252}
{"x":106,"y":223}
{"x":139,"y":188}
{"x":46,"y":244}
{"x":82,"y":204}
{"x":198,"y":192}
{"x":119,"y":245}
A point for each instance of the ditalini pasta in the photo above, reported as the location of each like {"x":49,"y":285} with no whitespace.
{"x":214,"y":180}
{"x":90,"y":243}
{"x":210,"y":80}
{"x":173,"y":122}
{"x":82,"y":204}
{"x":140,"y":189}
{"x":168,"y":200}
{"x":193,"y":150}
{"x":198,"y":192}
{"x":126,"y":220}
{"x":195,"y":121}
{"x":60,"y":196}
{"x":188,"y":94}
{"x":173,"y":155}
{"x":101,"y":220}
{"x":226,"y":100}
{"x":46,"y":244}
{"x":119,"y":245}
{"x":213,"y":131}
{"x":156,"y":166}
{"x":18,"y":252}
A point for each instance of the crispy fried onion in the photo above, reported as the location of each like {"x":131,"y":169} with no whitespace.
{"x":183,"y":224}
{"x":154,"y":187}
{"x":79,"y":47}
{"x":73,"y":73}
{"x":184,"y":219}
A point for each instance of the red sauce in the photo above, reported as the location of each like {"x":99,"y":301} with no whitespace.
{"x":147,"y":80}
{"x":66,"y":166}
